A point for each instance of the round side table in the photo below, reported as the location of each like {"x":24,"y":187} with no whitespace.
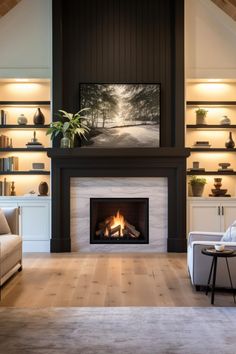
{"x":227,"y":253}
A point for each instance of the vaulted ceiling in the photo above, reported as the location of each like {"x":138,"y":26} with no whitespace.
{"x":7,"y":5}
{"x":228,"y":6}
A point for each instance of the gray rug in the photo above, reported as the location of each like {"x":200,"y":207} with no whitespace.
{"x":118,"y":330}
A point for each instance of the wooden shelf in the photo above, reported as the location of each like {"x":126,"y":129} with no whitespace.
{"x":210,"y":126}
{"x":211,"y":150}
{"x":25,"y":103}
{"x":211,"y":103}
{"x":27,"y":126}
{"x":23,"y":149}
{"x":25,"y":172}
{"x":214,"y":173}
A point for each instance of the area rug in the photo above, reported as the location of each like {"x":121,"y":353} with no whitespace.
{"x":121,"y":330}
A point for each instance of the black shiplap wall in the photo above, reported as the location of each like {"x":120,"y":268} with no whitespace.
{"x":126,"y":41}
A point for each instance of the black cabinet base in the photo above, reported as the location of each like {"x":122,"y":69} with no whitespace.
{"x":177,"y":245}
{"x":60,"y":245}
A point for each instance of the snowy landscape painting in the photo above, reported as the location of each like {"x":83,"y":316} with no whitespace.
{"x":122,"y":115}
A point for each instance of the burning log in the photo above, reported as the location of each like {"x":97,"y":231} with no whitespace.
{"x":131,"y":230}
{"x":117,"y":226}
{"x":113,"y":231}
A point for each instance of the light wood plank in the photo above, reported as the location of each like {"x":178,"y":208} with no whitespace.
{"x":73,"y":279}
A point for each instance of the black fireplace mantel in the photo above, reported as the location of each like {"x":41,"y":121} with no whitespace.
{"x":133,"y":162}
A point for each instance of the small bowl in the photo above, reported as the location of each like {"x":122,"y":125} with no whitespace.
{"x":219,"y":247}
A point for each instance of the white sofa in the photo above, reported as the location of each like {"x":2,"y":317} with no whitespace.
{"x":199,"y":264}
{"x":10,"y":247}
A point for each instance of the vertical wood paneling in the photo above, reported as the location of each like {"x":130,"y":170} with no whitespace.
{"x":125,"y":41}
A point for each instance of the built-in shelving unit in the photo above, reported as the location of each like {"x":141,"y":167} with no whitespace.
{"x":211,"y":103}
{"x":219,"y":99}
{"x":26,"y":126}
{"x":210,"y":126}
{"x":212,"y":150}
{"x":19,"y":98}
{"x":24,"y":172}
{"x":211,"y":173}
{"x":24,"y":103}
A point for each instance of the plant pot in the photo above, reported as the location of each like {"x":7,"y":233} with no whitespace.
{"x":197,"y":189}
{"x":67,"y":141}
{"x":200,"y":118}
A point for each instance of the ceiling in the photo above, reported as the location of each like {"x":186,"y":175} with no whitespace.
{"x":228,"y":6}
{"x":7,"y":5}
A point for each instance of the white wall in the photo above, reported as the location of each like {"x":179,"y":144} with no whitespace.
{"x":25,"y":40}
{"x":210,"y":41}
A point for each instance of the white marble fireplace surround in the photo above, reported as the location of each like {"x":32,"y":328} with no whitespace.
{"x":84,"y":188}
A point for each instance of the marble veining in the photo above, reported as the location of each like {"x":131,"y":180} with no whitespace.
{"x":154,"y":188}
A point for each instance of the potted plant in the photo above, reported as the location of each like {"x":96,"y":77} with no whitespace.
{"x":201,"y":115}
{"x":197,"y":185}
{"x":69,"y":125}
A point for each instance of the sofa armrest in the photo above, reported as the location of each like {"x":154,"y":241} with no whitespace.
{"x":204,"y":236}
{"x":12,"y":216}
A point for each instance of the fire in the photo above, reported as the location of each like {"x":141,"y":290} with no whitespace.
{"x":118,"y":220}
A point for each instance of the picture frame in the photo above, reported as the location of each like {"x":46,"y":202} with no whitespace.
{"x":121,"y":115}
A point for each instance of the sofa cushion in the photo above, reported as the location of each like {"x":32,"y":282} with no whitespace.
{"x":8,"y":244}
{"x":4,"y":227}
{"x":230,"y":233}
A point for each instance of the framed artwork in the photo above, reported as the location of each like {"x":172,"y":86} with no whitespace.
{"x":121,"y":115}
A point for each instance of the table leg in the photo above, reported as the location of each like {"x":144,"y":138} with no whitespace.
{"x":230,"y":279}
{"x":214,"y":281}
{"x":209,"y":278}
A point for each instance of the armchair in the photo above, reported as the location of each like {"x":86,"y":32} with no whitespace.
{"x":199,"y":264}
{"x":10,"y":246}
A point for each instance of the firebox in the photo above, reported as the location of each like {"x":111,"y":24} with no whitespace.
{"x":119,"y":220}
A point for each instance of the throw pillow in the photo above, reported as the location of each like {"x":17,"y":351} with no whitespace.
{"x":4,"y":227}
{"x":230,"y":233}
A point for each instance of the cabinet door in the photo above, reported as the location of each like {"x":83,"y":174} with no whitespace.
{"x":204,"y":217}
{"x":34,"y":221}
{"x":228,"y":212}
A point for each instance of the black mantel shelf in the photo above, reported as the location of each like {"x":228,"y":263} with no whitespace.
{"x":163,"y":152}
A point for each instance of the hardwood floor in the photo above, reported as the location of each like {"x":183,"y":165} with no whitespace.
{"x":72,"y":279}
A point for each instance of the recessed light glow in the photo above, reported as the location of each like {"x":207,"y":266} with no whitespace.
{"x":22,"y":80}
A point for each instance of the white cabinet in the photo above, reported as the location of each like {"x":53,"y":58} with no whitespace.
{"x":207,"y":214}
{"x":34,"y":221}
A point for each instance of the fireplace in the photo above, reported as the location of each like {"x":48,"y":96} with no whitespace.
{"x":119,"y":220}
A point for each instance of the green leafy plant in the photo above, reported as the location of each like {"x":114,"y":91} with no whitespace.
{"x":201,"y":111}
{"x":70,"y":124}
{"x":197,"y":180}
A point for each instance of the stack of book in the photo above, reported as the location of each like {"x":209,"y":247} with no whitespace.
{"x":202,"y":144}
{"x":9,"y":163}
{"x":32,"y":145}
{"x":5,"y":142}
{"x":3,"y":117}
{"x":5,"y":188}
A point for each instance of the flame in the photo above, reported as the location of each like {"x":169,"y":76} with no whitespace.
{"x":117,"y":220}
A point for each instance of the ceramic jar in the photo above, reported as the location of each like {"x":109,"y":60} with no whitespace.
{"x":22,"y":120}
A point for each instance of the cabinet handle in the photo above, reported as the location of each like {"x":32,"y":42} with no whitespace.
{"x":18,"y":210}
{"x":222,"y":210}
{"x":218,"y":210}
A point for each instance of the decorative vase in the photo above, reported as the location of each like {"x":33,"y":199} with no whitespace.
{"x":217,"y":183}
{"x":229,"y":144}
{"x":67,"y":141}
{"x":200,"y":119}
{"x":22,"y":120}
{"x":43,"y":189}
{"x":197,"y":189}
{"x":39,"y":118}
